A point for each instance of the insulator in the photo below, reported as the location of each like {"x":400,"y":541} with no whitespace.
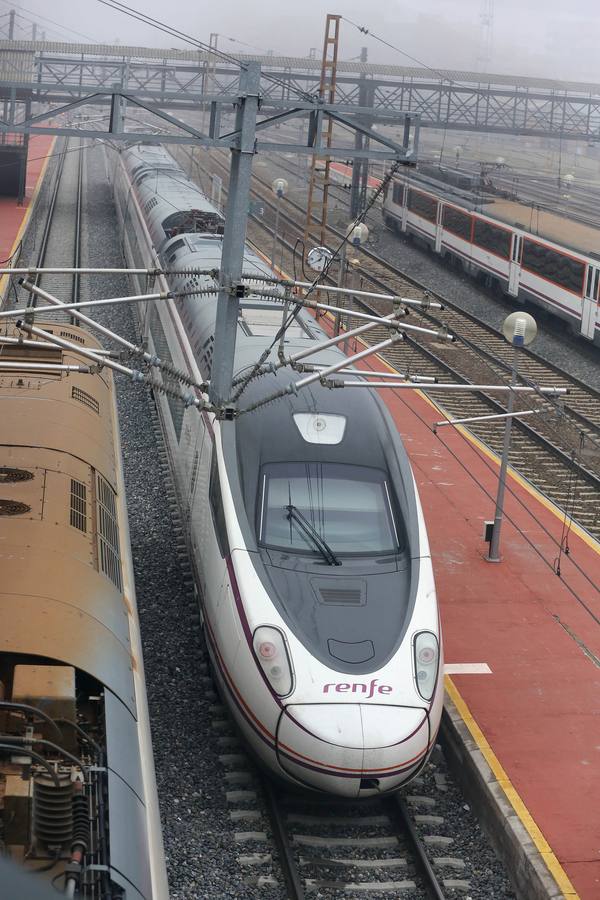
{"x":81,"y":822}
{"x":53,"y":811}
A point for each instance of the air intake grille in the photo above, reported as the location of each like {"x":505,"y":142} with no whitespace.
{"x":350,"y":597}
{"x":85,"y":398}
{"x":8,"y":475}
{"x":78,"y":505}
{"x":108,"y":533}
{"x":72,"y":337}
{"x":13,"y":508}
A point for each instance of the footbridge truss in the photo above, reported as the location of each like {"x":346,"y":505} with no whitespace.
{"x":61,"y":73}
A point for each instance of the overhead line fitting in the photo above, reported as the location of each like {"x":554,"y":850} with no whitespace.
{"x":129,"y":348}
{"x":136,"y":375}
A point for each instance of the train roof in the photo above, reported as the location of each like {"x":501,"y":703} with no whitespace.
{"x":546,"y":224}
{"x":529,"y":217}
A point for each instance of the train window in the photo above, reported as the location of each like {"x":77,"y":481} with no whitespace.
{"x":490,"y":237}
{"x":458,"y":222}
{"x":398,"y":193}
{"x":348,"y":507}
{"x":554,"y":266}
{"x":422,"y":205}
{"x":216,"y":505}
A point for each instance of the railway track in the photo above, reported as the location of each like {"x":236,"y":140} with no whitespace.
{"x":59,"y":241}
{"x":399,"y":846}
{"x":557,"y":447}
{"x":337,"y":849}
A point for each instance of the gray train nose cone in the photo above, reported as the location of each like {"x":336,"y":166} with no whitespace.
{"x":335,"y":746}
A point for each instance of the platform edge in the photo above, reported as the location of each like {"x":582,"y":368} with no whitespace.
{"x":532,"y":867}
{"x":22,"y":230}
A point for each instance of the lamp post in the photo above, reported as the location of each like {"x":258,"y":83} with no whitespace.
{"x":279,"y":186}
{"x":357,"y":235}
{"x":519,"y":330}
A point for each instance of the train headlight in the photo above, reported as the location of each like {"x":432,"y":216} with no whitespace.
{"x":272,"y":654}
{"x":427,"y":657}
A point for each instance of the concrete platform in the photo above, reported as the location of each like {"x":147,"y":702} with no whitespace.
{"x":535,"y":718}
{"x":14,"y":217}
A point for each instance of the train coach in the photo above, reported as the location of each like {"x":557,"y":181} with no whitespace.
{"x":304,"y":523}
{"x":531,"y":255}
{"x":78,"y":800}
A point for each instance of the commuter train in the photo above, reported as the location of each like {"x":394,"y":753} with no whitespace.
{"x":78,"y":801}
{"x":304,"y":523}
{"x":531,"y":254}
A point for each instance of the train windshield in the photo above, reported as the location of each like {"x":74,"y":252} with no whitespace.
{"x":348,"y":509}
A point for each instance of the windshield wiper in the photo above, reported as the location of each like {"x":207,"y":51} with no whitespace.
{"x":322,"y":546}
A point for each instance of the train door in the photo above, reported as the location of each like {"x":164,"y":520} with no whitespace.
{"x":589,"y":308}
{"x":439,"y":227}
{"x":514,"y":267}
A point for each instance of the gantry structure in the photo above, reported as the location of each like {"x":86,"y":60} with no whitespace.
{"x":59,"y":73}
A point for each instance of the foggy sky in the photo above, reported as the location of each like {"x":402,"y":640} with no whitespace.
{"x":530,"y":37}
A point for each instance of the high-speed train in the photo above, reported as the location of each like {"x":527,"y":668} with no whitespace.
{"x":78,"y":799}
{"x":304,"y":522}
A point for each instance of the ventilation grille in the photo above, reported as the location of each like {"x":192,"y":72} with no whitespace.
{"x":78,"y":505}
{"x":350,"y":597}
{"x":13,"y":508}
{"x":73,"y":337}
{"x":8,"y":475}
{"x":108,"y":533}
{"x":85,"y":398}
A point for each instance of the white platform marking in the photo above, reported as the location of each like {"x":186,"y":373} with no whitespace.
{"x":467,"y":669}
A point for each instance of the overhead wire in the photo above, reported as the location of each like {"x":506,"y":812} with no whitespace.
{"x":526,"y":507}
{"x":168,"y":29}
{"x":315,"y":285}
{"x":46,"y":19}
{"x":367,"y":31}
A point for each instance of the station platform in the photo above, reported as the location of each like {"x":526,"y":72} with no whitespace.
{"x":14,"y":217}
{"x":536,"y":714}
{"x":343,"y":173}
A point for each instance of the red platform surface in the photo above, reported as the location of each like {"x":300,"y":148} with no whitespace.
{"x":539,"y":709}
{"x":346,"y":173}
{"x":13,"y":217}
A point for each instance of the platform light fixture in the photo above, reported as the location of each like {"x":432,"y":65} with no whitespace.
{"x":519,"y":329}
{"x":279,"y":187}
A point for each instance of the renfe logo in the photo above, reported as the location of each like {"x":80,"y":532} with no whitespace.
{"x":359,"y":688}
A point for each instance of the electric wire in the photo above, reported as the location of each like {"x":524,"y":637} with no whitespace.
{"x":314,"y":286}
{"x":512,"y":492}
{"x":168,"y":29}
{"x":367,"y":31}
{"x":46,"y":19}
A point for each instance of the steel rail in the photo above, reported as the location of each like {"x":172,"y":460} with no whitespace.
{"x":43,"y":248}
{"x":402,"y":827}
{"x":291,"y":875}
{"x":399,"y":811}
{"x":76,"y":283}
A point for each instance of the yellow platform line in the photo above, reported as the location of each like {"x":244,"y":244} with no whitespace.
{"x":512,"y":795}
{"x":28,"y":214}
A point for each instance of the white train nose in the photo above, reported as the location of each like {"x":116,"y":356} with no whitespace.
{"x":352,"y":748}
